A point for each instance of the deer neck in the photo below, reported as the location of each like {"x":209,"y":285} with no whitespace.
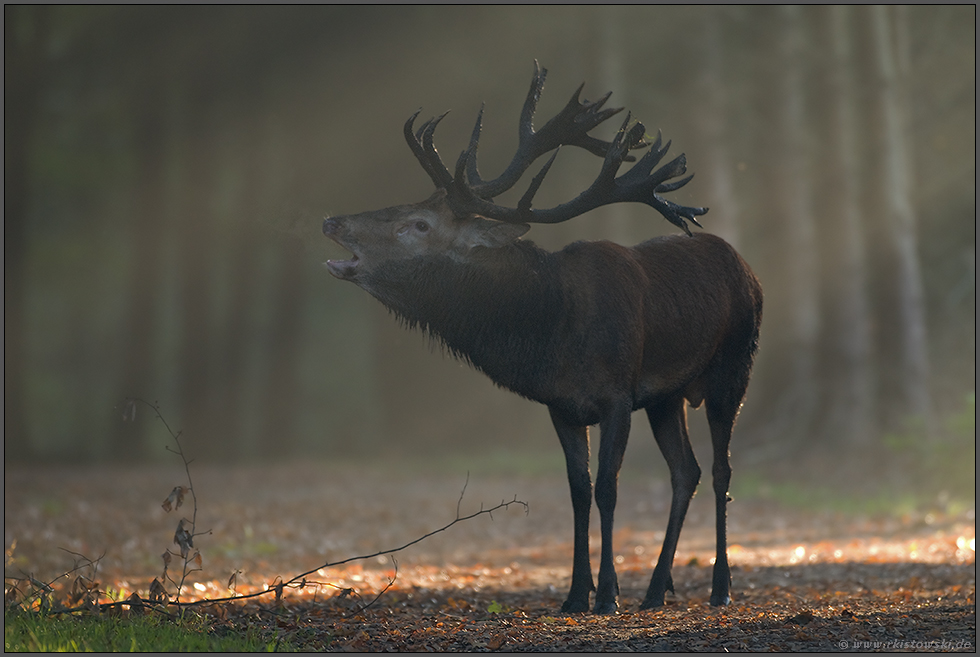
{"x":498,"y":309}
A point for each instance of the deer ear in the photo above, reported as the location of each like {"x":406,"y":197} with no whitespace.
{"x":490,"y":233}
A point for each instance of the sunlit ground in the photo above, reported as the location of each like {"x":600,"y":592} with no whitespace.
{"x":268,"y":524}
{"x":803,"y":578}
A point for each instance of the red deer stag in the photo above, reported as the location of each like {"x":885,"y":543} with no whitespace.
{"x":594,"y":331}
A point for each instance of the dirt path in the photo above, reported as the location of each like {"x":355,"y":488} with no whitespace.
{"x":801,"y":580}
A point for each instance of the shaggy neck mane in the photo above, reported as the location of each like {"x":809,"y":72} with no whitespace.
{"x":499,"y":310}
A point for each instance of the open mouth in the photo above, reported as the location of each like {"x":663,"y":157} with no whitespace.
{"x":343,"y":269}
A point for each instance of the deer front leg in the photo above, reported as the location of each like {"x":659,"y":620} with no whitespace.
{"x":612,"y":446}
{"x":575,"y":443}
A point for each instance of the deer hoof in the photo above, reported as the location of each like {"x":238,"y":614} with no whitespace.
{"x":720,"y":600}
{"x":575,"y":606}
{"x":606,"y":608}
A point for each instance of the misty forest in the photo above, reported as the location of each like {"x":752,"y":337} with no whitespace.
{"x":170,"y":326}
{"x":167,"y":170}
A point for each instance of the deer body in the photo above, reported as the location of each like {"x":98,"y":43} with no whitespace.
{"x":594,"y":331}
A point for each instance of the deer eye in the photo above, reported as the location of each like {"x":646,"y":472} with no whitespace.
{"x":421,"y":226}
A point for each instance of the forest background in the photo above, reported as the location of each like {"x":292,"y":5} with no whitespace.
{"x":167,"y":170}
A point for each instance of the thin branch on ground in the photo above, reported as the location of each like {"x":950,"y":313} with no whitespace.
{"x":299,"y":580}
{"x":391,"y":582}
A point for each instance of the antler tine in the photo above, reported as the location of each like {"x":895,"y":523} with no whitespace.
{"x":652,"y":157}
{"x":421,"y":144}
{"x":413,"y":143}
{"x":525,"y":135}
{"x":620,"y":146}
{"x":674,"y":168}
{"x":525,"y":128}
{"x":416,"y":145}
{"x":524,"y":205}
{"x":642,"y":169}
{"x":590,"y":114}
{"x":670,"y":187}
{"x":676,"y":214}
{"x":472,"y":172}
{"x":426,"y":132}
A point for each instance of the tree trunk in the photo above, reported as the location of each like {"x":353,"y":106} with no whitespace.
{"x":197,"y":252}
{"x":24,"y":36}
{"x":237,"y":329}
{"x":617,"y":226}
{"x":850,"y":403}
{"x":793,"y":193}
{"x":890,"y":41}
{"x":282,"y":349}
{"x":146,"y":276}
{"x":280,"y":437}
{"x":712,"y":121}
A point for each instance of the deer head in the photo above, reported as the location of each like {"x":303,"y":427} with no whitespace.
{"x":429,"y":228}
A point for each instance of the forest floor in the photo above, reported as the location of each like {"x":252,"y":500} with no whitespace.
{"x":804,"y":579}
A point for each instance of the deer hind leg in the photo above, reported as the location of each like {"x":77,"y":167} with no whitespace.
{"x":612,"y":446}
{"x":721,"y":422}
{"x":575,"y":443}
{"x":668,"y":418}
{"x":726,"y":390}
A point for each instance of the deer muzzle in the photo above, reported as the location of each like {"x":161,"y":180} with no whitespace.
{"x":342,"y":269}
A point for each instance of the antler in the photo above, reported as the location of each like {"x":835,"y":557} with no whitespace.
{"x":569,"y":127}
{"x":468,"y":193}
{"x":636,"y":185}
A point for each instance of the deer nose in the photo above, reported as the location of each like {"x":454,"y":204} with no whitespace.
{"x":330,"y":226}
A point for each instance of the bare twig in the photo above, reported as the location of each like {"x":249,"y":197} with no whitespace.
{"x":391,"y":582}
{"x":183,"y":537}
{"x":42,"y":589}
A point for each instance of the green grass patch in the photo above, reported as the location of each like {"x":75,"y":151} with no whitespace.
{"x":816,"y":497}
{"x":36,"y":632}
{"x":906,"y":471}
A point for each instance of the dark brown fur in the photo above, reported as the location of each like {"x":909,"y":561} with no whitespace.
{"x":594,"y":331}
